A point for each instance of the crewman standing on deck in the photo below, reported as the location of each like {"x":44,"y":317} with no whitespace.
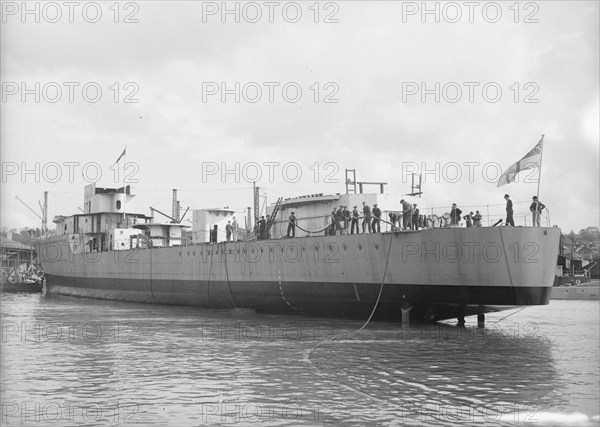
{"x":393,"y":218}
{"x":347,"y":218}
{"x":234,"y":230}
{"x":406,"y":214}
{"x":469,"y":218}
{"x":228,"y":230}
{"x":536,"y":208}
{"x":334,"y":223}
{"x":366,"y":217}
{"x":268,"y":228}
{"x":455,"y":215}
{"x":415,"y":217}
{"x":261,"y":227}
{"x":509,"y":211}
{"x":340,"y":219}
{"x":292,"y":225}
{"x":355,"y":216}
{"x":376,"y":226}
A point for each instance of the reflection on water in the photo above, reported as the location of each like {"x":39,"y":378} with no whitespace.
{"x":69,"y":361}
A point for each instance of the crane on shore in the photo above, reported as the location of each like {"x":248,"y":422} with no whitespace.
{"x":43,"y":209}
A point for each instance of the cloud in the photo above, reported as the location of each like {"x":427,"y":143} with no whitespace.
{"x":547,"y":73}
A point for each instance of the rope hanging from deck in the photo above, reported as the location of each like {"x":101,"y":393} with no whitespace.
{"x":380,"y":288}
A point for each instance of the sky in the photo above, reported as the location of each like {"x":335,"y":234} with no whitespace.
{"x":208,"y":97}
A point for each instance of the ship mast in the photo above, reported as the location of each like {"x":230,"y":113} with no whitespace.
{"x":125,"y":188}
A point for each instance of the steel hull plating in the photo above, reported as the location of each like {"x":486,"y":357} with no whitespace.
{"x":440,"y":273}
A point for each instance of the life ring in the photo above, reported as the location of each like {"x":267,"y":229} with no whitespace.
{"x":434,"y":221}
{"x":430,"y":221}
{"x":578,"y":282}
{"x":446,"y":220}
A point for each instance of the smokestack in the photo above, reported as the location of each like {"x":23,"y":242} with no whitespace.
{"x":175,"y":210}
{"x":256,"y":203}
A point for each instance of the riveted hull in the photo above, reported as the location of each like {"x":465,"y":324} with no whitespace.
{"x":440,"y":273}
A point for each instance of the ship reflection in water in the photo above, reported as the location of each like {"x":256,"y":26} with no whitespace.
{"x":70,"y":361}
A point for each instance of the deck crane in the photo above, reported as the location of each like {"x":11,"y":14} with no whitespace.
{"x":43,"y":209}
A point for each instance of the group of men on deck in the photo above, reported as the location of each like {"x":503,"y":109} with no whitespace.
{"x":410,"y":216}
{"x":474,"y":220}
{"x":231,"y":230}
{"x":409,"y":219}
{"x":471,"y":219}
{"x":343,"y":219}
{"x":261,"y":231}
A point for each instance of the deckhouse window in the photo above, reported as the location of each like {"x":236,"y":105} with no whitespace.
{"x":118,"y":204}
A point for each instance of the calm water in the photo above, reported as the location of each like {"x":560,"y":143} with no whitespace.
{"x":69,"y":361}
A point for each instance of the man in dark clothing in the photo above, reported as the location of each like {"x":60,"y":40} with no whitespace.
{"x":261,"y":227}
{"x":335,"y":225}
{"x":346,"y":219}
{"x":340,"y":220}
{"x":292,"y":225}
{"x":393,"y":219}
{"x":536,"y":208}
{"x":367,"y":217}
{"x":469,"y":218}
{"x":406,"y":214}
{"x":268,"y":225}
{"x":228,"y":230}
{"x":415,"y":217}
{"x":509,"y":211}
{"x":376,"y":226}
{"x":455,"y":215}
{"x":234,"y":229}
{"x":354,"y":220}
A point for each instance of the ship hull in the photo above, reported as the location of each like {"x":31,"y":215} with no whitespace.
{"x":439,"y":274}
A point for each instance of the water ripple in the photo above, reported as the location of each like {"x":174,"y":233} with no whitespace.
{"x":104,"y":363}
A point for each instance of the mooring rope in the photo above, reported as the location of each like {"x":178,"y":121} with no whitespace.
{"x":151,"y":290}
{"x":381,"y":287}
{"x":209,"y":272}
{"x":307,"y":231}
{"x":508,"y":315}
{"x":227,"y":275}
{"x":329,"y":225}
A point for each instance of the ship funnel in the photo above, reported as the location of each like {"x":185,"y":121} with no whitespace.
{"x":175,"y":207}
